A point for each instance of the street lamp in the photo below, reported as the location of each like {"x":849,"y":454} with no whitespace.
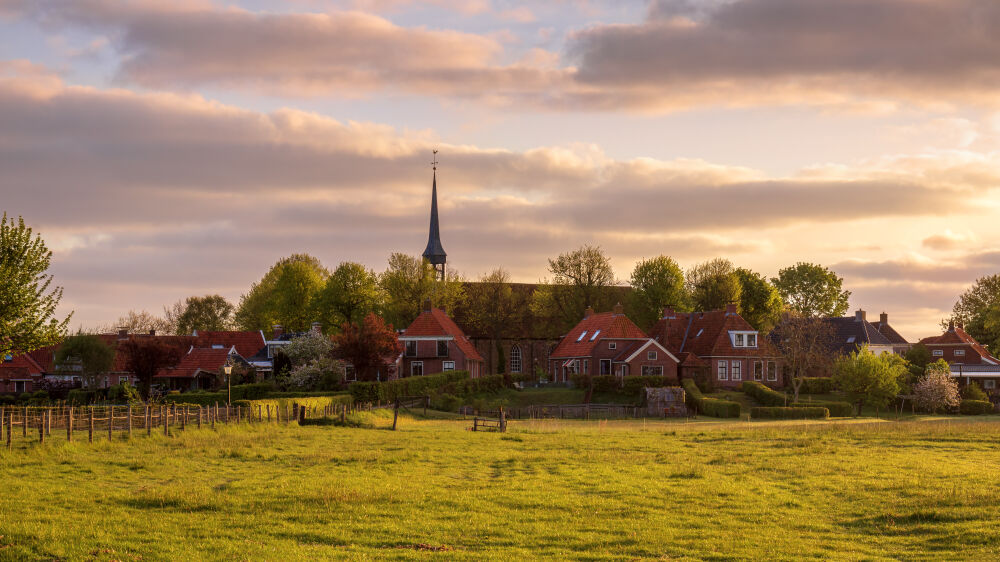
{"x":228,"y":369}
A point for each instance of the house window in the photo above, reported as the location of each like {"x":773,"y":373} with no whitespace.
{"x":594,"y":337}
{"x":751,"y":340}
{"x":959,"y":353}
{"x":624,"y":370}
{"x":652,"y":370}
{"x":723,"y":371}
{"x":411,"y":349}
{"x":122,"y":380}
{"x":416,"y":368}
{"x":349,"y":373}
{"x":737,"y":370}
{"x":442,"y":348}
{"x":612,"y":345}
{"x":989,"y":384}
{"x":583,"y":335}
{"x":651,"y":356}
{"x":772,"y":371}
{"x":938,"y":353}
{"x":605,"y":366}
{"x":448,"y":366}
{"x":758,"y":371}
{"x":739,"y":340}
{"x":515,"y":359}
{"x":586,"y":366}
{"x":18,"y":387}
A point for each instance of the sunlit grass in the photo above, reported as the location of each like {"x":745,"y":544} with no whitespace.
{"x":580,"y":490}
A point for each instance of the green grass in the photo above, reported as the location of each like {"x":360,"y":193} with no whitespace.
{"x":511,"y":398}
{"x":562,"y":490}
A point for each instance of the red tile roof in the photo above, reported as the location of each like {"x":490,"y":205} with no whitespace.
{"x":611,"y":325}
{"x":22,"y":366}
{"x":955,"y":335}
{"x":706,"y":334}
{"x":196,"y":361}
{"x":435,"y":322}
{"x":247,"y":343}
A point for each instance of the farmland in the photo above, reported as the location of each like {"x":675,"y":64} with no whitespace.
{"x":583,"y":490}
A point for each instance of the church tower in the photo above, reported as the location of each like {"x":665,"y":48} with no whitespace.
{"x":435,"y":253}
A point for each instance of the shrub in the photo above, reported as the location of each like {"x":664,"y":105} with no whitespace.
{"x":580,"y":380}
{"x":780,"y":413}
{"x":708,"y":406}
{"x":973,"y":392}
{"x":635,"y":385}
{"x":606,"y":383}
{"x":817,"y":385}
{"x":446,"y":402}
{"x":81,"y":397}
{"x":837,"y":409}
{"x":975,"y":407}
{"x":703,"y":379}
{"x":388,"y":391}
{"x":937,"y":390}
{"x":764,"y":395}
{"x":6,"y":399}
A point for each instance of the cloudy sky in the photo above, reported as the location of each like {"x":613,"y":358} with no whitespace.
{"x":166,"y":149}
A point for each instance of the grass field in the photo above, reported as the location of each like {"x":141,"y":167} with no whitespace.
{"x":567,"y":490}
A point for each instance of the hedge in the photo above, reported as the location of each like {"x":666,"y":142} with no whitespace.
{"x":708,"y":406}
{"x":318,"y":402}
{"x":776,"y":413}
{"x":975,"y":407}
{"x":636,"y":384}
{"x":763,"y":394}
{"x":422,"y":385}
{"x":817,"y":385}
{"x":837,"y":409}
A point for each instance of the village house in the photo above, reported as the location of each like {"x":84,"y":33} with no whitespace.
{"x":200,"y":369}
{"x":721,"y":344}
{"x":851,"y":333}
{"x":608,"y":343}
{"x":20,"y":374}
{"x":969,"y":360}
{"x":433,"y":343}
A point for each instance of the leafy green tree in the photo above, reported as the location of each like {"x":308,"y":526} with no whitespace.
{"x":493,"y":308}
{"x":978,"y":309}
{"x":812,"y":290}
{"x":350,"y":293}
{"x":713,"y":284}
{"x":869,"y":378}
{"x":409,"y":281}
{"x":580,"y":279}
{"x":86,"y":355}
{"x":27,"y":305}
{"x":283,"y":296}
{"x":760,"y":301}
{"x":210,"y":313}
{"x":656,"y":283}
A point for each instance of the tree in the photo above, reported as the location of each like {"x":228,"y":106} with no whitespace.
{"x":760,"y":301}
{"x":367,"y":345}
{"x":27,"y":305}
{"x":144,"y":357}
{"x":86,"y":355}
{"x":869,"y":378}
{"x":805,"y":347}
{"x":580,"y":279}
{"x":210,"y":313}
{"x":283,"y":296}
{"x":812,"y":290}
{"x":937,"y":389}
{"x":713,"y":284}
{"x":493,"y":309}
{"x":409,"y":281}
{"x":350,"y":293}
{"x":656,"y":283}
{"x":313,"y":365}
{"x":978,"y":309}
{"x":140,"y":322}
{"x":308,"y":348}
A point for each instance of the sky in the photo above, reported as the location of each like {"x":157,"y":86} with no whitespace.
{"x":170,"y":149}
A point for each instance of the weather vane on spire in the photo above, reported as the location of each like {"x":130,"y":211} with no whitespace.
{"x":434,"y":164}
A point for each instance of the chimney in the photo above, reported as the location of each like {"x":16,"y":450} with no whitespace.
{"x":277,"y":330}
{"x":731,"y":309}
{"x":316,"y":327}
{"x":427,"y":305}
{"x":960,"y":325}
{"x":951,"y":326}
{"x":123,"y":333}
{"x":883,"y":318}
{"x":618,"y":309}
{"x":668,"y":312}
{"x":589,"y":312}
{"x":860,"y":316}
{"x":152,"y":332}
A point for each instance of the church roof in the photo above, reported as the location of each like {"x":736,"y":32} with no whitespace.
{"x":435,"y":251}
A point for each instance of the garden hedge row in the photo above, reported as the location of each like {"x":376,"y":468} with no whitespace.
{"x":975,"y":407}
{"x":773,"y":398}
{"x":817,"y":385}
{"x":632,"y":385}
{"x":780,"y":413}
{"x":708,"y":406}
{"x":837,"y":409}
{"x":418,"y":386}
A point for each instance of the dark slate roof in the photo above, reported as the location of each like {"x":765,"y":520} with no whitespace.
{"x":849,"y":334}
{"x":435,"y":251}
{"x":890,"y":333}
{"x":706,"y":334}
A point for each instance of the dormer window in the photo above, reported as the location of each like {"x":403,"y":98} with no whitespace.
{"x":583,"y":335}
{"x":739,"y":340}
{"x":612,"y":345}
{"x":751,"y":340}
{"x":743,"y":339}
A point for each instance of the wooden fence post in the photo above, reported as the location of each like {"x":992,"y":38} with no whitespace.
{"x":343,"y":414}
{"x":268,"y":413}
{"x":111,"y":423}
{"x":129,"y":421}
{"x":41,"y":428}
{"x":10,"y":428}
{"x":199,"y":416}
{"x":184,"y":415}
{"x":395,"y":414}
{"x":286,"y":413}
{"x":24,"y":425}
{"x":3,"y":420}
{"x":90,"y":430}
{"x":149,"y":420}
{"x":69,"y":424}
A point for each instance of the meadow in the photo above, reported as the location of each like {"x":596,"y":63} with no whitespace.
{"x":594,"y":490}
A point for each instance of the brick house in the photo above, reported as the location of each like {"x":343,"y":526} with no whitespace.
{"x":899,"y":344}
{"x":850,"y":333}
{"x":969,"y":360}
{"x":608,"y":343}
{"x":199,"y":369}
{"x":722,"y":343}
{"x":433,"y":343}
{"x":20,"y":374}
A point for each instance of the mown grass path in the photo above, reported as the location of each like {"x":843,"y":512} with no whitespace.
{"x":566,"y":490}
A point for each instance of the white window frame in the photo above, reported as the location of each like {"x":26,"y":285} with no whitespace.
{"x":772,"y":374}
{"x":739,"y":339}
{"x":959,"y":353}
{"x":651,"y":355}
{"x":722,"y":371}
{"x":756,"y":376}
{"x":515,"y":359}
{"x":605,"y":362}
{"x":586,"y":366}
{"x":350,"y":373}
{"x":414,"y":364}
{"x":24,"y":387}
{"x":407,"y":348}
{"x":612,"y":345}
{"x":754,"y":337}
{"x":447,"y":366}
{"x":736,"y":370}
{"x":937,"y":353}
{"x":652,"y":370}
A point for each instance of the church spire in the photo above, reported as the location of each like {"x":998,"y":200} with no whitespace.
{"x":435,"y":253}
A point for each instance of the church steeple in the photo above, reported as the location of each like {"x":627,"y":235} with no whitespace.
{"x":435,"y":253}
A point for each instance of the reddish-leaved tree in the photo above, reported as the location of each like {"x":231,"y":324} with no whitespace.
{"x":367,"y":345}
{"x":145,"y":356}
